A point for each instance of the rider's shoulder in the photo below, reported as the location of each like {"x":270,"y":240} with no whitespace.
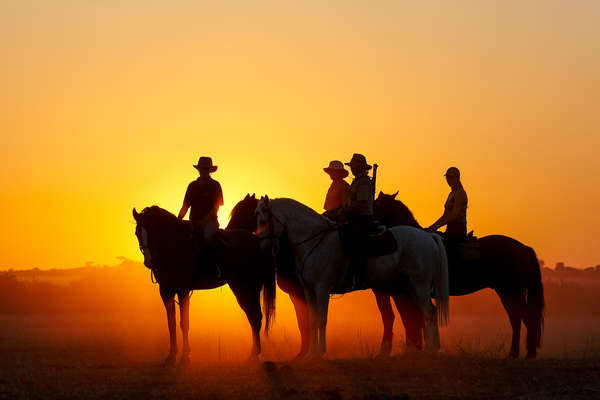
{"x":460,"y":192}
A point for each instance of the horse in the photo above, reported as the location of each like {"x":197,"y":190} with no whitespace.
{"x":417,"y":266}
{"x":243,"y":217}
{"x":169,"y":252}
{"x":505,"y":265}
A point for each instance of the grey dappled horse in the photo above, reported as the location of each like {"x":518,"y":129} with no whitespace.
{"x":418,"y":265}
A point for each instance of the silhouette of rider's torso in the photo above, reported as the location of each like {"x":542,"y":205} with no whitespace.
{"x":203,"y":195}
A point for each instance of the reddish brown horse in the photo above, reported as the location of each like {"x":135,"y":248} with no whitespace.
{"x":167,"y":245}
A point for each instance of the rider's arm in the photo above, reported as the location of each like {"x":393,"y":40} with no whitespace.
{"x":460,"y":202}
{"x":184,"y":209}
{"x":186,"y":204}
{"x":218,"y":198}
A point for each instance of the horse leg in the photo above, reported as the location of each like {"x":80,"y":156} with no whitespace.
{"x":514,"y":304}
{"x":168,"y":298}
{"x":249,"y":300}
{"x":313,"y":322}
{"x":322,"y":309}
{"x":303,"y":322}
{"x":387,"y":317}
{"x":412,"y":319}
{"x":184,"y":324}
{"x":429,"y":313}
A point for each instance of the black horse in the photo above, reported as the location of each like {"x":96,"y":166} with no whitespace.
{"x":169,"y":252}
{"x":242,"y":217}
{"x":505,"y":265}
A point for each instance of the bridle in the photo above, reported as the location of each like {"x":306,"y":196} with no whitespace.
{"x":145,"y":247}
{"x":271,"y":218}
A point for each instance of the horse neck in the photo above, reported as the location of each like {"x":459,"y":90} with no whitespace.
{"x":239,"y":221}
{"x":300,"y":223}
{"x":404,"y":216}
{"x":168,"y":236}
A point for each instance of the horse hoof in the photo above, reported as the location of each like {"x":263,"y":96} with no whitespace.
{"x":315,"y":357}
{"x":184,"y":361}
{"x":169,"y":361}
{"x":531,"y":356}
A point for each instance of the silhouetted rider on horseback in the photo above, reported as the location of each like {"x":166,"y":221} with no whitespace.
{"x":204,"y":196}
{"x":357,"y":212}
{"x":338,"y":190}
{"x":455,"y":213}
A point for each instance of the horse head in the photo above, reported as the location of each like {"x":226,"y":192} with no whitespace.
{"x":384,"y":206}
{"x":267,"y":224}
{"x":154,"y":226}
{"x":141,"y":232}
{"x":242,"y":216}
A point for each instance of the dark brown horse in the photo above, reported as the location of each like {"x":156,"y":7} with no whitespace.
{"x":505,"y":265}
{"x":169,"y":252}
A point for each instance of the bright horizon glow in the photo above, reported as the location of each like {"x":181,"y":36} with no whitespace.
{"x":106,"y":107}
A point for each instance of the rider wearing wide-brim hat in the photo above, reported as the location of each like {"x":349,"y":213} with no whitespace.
{"x":360,"y":195}
{"x":204,"y":196}
{"x":338,"y":190}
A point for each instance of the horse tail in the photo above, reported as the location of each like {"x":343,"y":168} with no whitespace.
{"x":268,"y":292}
{"x":442,"y":284}
{"x":535,"y":304}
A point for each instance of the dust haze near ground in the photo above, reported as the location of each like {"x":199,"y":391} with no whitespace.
{"x":88,"y":336}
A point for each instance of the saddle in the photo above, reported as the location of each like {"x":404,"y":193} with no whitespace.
{"x":379,"y":241}
{"x":469,"y":249}
{"x":207,"y":255}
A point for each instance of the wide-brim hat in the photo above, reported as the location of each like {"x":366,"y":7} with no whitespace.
{"x":336,"y":167}
{"x":205,"y":163}
{"x":358,"y":160}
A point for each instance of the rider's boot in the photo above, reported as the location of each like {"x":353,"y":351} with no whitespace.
{"x":358,"y":266}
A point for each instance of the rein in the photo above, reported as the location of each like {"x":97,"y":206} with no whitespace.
{"x":143,"y":249}
{"x":271,"y":236}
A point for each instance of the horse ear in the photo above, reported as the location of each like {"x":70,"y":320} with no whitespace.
{"x":380,"y":195}
{"x":254,"y":195}
{"x":395,"y":194}
{"x":247,"y":196}
{"x":266,"y":199}
{"x":135,"y":214}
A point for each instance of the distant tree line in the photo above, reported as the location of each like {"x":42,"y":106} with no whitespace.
{"x":126,"y":289}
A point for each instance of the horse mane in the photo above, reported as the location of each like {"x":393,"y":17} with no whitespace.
{"x":401,"y":212}
{"x":295,"y":203}
{"x":166,"y":220}
{"x":242,"y":203}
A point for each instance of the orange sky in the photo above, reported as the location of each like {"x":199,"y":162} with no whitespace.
{"x":106,"y":106}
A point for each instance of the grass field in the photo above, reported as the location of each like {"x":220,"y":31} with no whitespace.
{"x":87,"y":357}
